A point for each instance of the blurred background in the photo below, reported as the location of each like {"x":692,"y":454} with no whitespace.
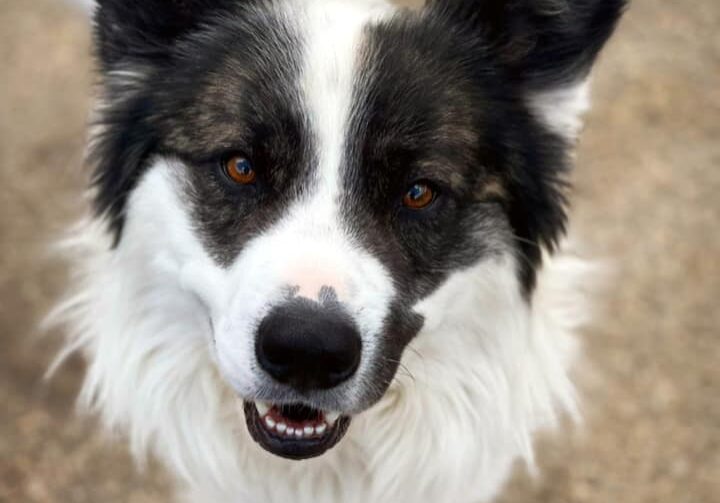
{"x":647,"y":200}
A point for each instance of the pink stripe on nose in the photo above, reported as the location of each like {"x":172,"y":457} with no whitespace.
{"x":309,"y":279}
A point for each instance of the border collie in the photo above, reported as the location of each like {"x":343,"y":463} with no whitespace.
{"x":323,"y":264}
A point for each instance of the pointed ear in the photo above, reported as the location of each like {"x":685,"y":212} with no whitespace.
{"x":544,"y":43}
{"x":144,"y":30}
{"x":545,"y":46}
{"x":131,"y":37}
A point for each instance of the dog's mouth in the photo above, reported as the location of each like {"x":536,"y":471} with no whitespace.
{"x":294,"y":431}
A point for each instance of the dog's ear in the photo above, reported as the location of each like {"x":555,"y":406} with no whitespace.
{"x":546,"y":46}
{"x":131,"y":38}
{"x":543,"y":51}
{"x":542,"y":42}
{"x":144,"y":30}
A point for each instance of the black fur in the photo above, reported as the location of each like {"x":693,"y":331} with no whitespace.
{"x":135,"y":36}
{"x":443,"y":98}
{"x":540,"y":43}
{"x":446,"y":101}
{"x":199,"y":80}
{"x":531,"y":46}
{"x":144,"y":31}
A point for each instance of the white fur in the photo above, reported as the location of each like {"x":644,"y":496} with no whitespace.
{"x":562,"y":109}
{"x":483,"y":375}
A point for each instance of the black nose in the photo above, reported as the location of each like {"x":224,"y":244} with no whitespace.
{"x":308,"y":345}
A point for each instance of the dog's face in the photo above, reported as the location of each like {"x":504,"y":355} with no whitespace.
{"x":330,"y":165}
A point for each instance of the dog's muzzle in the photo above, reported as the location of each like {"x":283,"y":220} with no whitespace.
{"x":306,"y":346}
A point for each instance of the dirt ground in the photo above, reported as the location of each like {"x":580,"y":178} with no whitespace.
{"x":647,"y":199}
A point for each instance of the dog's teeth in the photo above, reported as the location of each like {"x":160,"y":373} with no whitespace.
{"x":308,"y":430}
{"x":290,"y":431}
{"x":262,"y":407}
{"x":298,"y":433}
{"x":270,"y":422}
{"x":320,"y":429}
{"x":331,"y":417}
{"x":281,"y":427}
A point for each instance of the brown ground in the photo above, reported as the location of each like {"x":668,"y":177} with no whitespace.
{"x":647,"y":197}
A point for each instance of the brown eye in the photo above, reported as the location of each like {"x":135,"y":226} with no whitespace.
{"x":240,"y":170}
{"x":418,"y":196}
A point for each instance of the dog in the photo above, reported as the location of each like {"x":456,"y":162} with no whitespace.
{"x":325,"y":261}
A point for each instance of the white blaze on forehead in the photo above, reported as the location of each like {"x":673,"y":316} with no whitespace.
{"x":333,"y":33}
{"x":333,"y":36}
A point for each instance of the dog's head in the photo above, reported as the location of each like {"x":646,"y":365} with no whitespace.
{"x":317,"y":169}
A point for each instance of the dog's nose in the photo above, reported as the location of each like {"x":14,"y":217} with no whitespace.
{"x":307,"y":345}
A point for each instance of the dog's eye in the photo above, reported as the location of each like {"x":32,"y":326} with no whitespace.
{"x":418,"y":196}
{"x":240,"y":170}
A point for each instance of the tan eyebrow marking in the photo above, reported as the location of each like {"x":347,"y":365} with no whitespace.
{"x":491,"y":188}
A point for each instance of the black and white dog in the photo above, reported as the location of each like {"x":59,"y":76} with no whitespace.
{"x":324,"y":266}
